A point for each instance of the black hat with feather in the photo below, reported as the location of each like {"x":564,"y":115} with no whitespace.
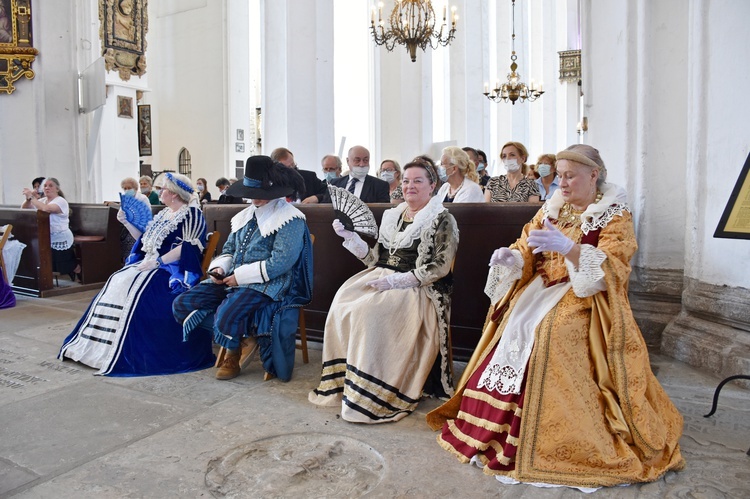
{"x":265,"y":179}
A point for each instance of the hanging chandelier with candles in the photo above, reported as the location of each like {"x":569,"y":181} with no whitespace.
{"x":514,"y":88}
{"x":413,"y":24}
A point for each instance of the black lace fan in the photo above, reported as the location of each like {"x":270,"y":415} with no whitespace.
{"x":352,"y":212}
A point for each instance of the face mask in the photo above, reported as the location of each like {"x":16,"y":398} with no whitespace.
{"x":442,"y":173}
{"x":145,"y":190}
{"x":544,"y":170}
{"x":480,"y":167}
{"x":511,"y":165}
{"x":129,"y":192}
{"x":199,"y":187}
{"x":359,"y":172}
{"x":40,"y":191}
{"x":388,"y":176}
{"x":330,"y":176}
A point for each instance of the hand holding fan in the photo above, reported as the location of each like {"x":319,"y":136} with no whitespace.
{"x":137,"y":213}
{"x":352,"y":212}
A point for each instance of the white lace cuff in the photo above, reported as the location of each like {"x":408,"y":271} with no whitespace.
{"x":356,"y":246}
{"x":501,"y":278}
{"x":588,"y":279}
{"x":402,"y":280}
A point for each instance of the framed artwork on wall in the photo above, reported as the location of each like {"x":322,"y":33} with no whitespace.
{"x":124,"y":106}
{"x":144,"y":130}
{"x":735,"y":221}
{"x":240,"y":135}
{"x":16,"y":52}
{"x":239,"y":147}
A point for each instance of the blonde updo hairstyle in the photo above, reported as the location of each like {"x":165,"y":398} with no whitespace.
{"x":180,"y":185}
{"x":458,"y":157}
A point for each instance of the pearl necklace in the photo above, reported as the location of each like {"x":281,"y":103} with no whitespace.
{"x":570,"y":215}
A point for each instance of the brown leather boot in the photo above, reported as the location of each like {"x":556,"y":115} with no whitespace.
{"x":249,"y":349}
{"x":230,"y":367}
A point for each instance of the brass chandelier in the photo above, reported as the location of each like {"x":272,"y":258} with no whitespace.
{"x":413,"y":24}
{"x":514,"y":88}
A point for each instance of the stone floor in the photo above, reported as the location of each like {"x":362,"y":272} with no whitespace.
{"x":67,"y":434}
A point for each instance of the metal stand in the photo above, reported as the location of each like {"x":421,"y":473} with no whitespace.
{"x":718,"y":390}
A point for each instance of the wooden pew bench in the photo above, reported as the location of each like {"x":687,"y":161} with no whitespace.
{"x":96,"y":236}
{"x":31,"y":227}
{"x":483,"y":228}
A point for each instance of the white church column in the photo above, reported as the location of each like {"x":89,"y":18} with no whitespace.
{"x":297,"y":82}
{"x":712,"y":329}
{"x":634,"y":71}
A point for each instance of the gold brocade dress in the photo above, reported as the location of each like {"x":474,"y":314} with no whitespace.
{"x":590,"y":412}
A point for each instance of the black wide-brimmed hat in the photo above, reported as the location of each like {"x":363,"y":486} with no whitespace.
{"x":265,"y":179}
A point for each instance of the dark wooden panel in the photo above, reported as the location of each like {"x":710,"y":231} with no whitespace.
{"x":99,"y":259}
{"x":483,"y":228}
{"x":31,"y":227}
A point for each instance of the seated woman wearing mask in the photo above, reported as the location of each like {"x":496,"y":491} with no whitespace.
{"x":484,"y":175}
{"x":388,"y":324}
{"x":128,"y":330}
{"x":203,"y":195}
{"x":547,"y":181}
{"x":514,"y":186}
{"x":390,"y":171}
{"x":147,"y":189}
{"x":461,"y":180}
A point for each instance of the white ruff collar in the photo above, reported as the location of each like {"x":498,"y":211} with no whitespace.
{"x":390,"y":237}
{"x":271,"y":217}
{"x":614,"y":200}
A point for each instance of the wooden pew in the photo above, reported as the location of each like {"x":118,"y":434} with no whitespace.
{"x":483,"y":228}
{"x":31,"y":227}
{"x":96,"y":233}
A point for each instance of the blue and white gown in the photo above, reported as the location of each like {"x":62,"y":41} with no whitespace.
{"x":128,"y":330}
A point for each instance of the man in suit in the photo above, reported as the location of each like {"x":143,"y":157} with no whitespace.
{"x":366,"y":187}
{"x":313,"y":185}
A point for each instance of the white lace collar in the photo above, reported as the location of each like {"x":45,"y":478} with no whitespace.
{"x":271,"y":217}
{"x":389,"y":226}
{"x":614,"y":200}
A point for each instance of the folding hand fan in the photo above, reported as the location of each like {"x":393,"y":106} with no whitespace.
{"x":352,"y":212}
{"x":136,"y":212}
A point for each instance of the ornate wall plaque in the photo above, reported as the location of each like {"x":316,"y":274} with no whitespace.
{"x":123,"y":28}
{"x":144,"y":130}
{"x":16,"y":51}
{"x":570,"y":65}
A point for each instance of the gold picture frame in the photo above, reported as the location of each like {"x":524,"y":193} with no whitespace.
{"x":124,"y":107}
{"x":735,"y":221}
{"x":16,"y":50}
{"x":123,"y":27}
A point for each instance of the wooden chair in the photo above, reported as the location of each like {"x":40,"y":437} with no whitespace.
{"x":4,"y":237}
{"x":208,"y":253}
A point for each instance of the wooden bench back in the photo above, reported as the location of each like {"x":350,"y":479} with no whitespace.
{"x":483,"y":228}
{"x":31,"y":227}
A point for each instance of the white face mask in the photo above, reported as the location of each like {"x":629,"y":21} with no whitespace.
{"x":145,"y":190}
{"x":442,"y":173}
{"x":330,"y":176}
{"x":543,"y":169}
{"x":388,"y":176}
{"x":199,"y":187}
{"x":511,"y":165}
{"x":359,"y":172}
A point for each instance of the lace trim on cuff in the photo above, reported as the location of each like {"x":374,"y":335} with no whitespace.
{"x":356,"y":246}
{"x":403,"y":280}
{"x":501,"y":278}
{"x":588,"y":279}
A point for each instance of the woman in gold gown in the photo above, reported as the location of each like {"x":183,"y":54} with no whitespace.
{"x":560,"y":390}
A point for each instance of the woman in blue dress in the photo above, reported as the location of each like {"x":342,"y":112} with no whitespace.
{"x":128,"y":330}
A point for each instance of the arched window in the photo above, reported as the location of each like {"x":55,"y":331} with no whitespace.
{"x":185,"y":166}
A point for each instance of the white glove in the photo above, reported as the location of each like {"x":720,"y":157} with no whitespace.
{"x":502,"y":256}
{"x":340,"y":231}
{"x":399,"y":280}
{"x":121,"y":217}
{"x":550,"y":239}
{"x":148,"y":265}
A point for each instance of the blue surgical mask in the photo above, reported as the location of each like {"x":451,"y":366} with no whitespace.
{"x":480,"y":167}
{"x":129,"y":192}
{"x":442,"y":173}
{"x":543,"y":169}
{"x":330,"y":176}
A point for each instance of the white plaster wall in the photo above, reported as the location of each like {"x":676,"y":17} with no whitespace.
{"x":188,"y":78}
{"x":717,"y":144}
{"x":39,"y":121}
